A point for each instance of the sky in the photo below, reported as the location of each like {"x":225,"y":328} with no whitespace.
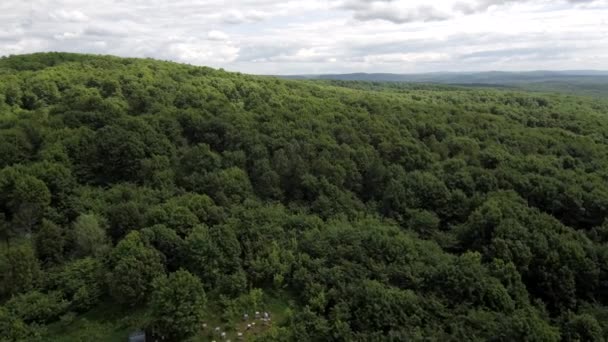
{"x":320,"y":36}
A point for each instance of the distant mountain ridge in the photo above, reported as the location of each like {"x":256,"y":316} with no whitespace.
{"x":463,"y":77}
{"x":584,"y":82}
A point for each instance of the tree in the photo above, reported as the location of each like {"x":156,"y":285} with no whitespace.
{"x":7,"y":230}
{"x":13,"y":328}
{"x":37,"y":307}
{"x":14,"y":147}
{"x":227,"y":186}
{"x":134,"y":265}
{"x":29,"y":201}
{"x":123,"y":218}
{"x":213,"y":253}
{"x":89,"y":236}
{"x":166,"y":241}
{"x":176,"y":217}
{"x":19,"y":270}
{"x":581,"y":328}
{"x":423,"y":222}
{"x":202,"y":206}
{"x":177,"y":304}
{"x":24,"y":200}
{"x":118,"y":153}
{"x":156,"y":172}
{"x":81,"y":282}
{"x":50,"y":243}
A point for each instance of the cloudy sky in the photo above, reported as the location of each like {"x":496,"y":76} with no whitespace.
{"x":320,"y":36}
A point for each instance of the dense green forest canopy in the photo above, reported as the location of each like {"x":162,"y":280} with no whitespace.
{"x":178,"y":196}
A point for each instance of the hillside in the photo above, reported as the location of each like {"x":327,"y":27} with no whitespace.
{"x":140,"y":194}
{"x":582,"y":82}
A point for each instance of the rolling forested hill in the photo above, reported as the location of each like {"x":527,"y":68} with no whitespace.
{"x":139,"y":194}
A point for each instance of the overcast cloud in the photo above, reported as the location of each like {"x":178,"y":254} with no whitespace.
{"x":320,"y":36}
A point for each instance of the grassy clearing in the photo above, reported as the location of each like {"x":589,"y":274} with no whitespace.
{"x":109,"y":323}
{"x":104,"y":323}
{"x":275,"y":305}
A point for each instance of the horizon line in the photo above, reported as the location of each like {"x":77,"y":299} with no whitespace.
{"x":326,"y":73}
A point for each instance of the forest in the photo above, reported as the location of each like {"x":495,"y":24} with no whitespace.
{"x":587,"y":83}
{"x":196,"y":204}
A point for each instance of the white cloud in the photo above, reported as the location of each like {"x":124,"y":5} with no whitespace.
{"x":201,"y":53}
{"x":66,"y":35}
{"x":217,"y":35}
{"x":240,"y":17}
{"x":68,"y":15}
{"x":423,"y":57}
{"x":405,"y":11}
{"x":319,"y":36}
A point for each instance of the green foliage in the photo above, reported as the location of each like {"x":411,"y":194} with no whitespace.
{"x":178,"y":218}
{"x":89,"y":236}
{"x":23,"y":200}
{"x":168,"y":243}
{"x":81,"y":282}
{"x":380,"y":211}
{"x":19,"y":270}
{"x":117,"y":154}
{"x":213,"y":254}
{"x":38,"y":307}
{"x":12,"y":328}
{"x":133,"y":267}
{"x":251,"y":301}
{"x":50,"y":243}
{"x":177,"y":304}
{"x":14,"y":147}
{"x":582,"y":327}
{"x":124,"y":218}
